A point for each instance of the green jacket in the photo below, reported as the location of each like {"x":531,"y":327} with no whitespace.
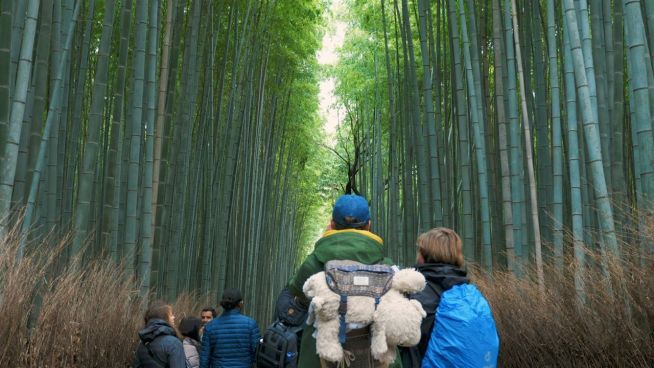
{"x":355,"y":245}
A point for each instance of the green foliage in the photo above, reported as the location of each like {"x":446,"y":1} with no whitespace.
{"x":377,"y":83}
{"x":238,"y":172}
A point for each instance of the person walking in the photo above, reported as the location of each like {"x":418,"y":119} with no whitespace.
{"x":348,"y":237}
{"x":159,"y":346}
{"x":440,"y":259}
{"x":230,"y":341}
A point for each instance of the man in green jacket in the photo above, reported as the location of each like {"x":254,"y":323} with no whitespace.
{"x":348,"y":237}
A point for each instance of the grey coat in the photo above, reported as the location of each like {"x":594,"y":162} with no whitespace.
{"x":192,"y":354}
{"x":166,"y":350}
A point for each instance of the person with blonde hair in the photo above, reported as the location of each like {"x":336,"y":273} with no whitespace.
{"x":440,"y":259}
{"x":159,"y":346}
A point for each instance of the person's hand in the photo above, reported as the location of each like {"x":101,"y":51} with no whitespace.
{"x":329,"y":226}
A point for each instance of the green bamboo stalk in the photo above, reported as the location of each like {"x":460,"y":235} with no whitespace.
{"x":516,"y":162}
{"x":576,"y":203}
{"x":528,"y":150}
{"x":136,"y":128}
{"x":393,"y":209}
{"x":234,"y":132}
{"x":641,"y":122}
{"x":557,"y":140}
{"x":17,"y":33}
{"x":616,"y":97}
{"x":72,"y":147}
{"x":591,"y":133}
{"x":33,"y":117}
{"x":542,"y":146}
{"x":10,"y":153}
{"x":161,"y":106}
{"x":59,"y":208}
{"x":608,"y":28}
{"x":114,"y":152}
{"x":649,"y":10}
{"x":463,"y":145}
{"x":151,"y":92}
{"x":476,"y":68}
{"x":5,"y":66}
{"x":599,"y":51}
{"x":640,"y":225}
{"x":507,"y":212}
{"x":635,"y":37}
{"x":423,"y":168}
{"x":479,"y":140}
{"x":55,"y":100}
{"x":429,"y":121}
{"x":164,"y":219}
{"x":437,"y":55}
{"x":90,"y":156}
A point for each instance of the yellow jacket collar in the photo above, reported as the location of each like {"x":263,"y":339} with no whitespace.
{"x":366,"y":233}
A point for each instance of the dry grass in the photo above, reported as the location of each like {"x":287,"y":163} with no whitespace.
{"x":613,"y":327}
{"x":89,"y":316}
{"x":74,"y":317}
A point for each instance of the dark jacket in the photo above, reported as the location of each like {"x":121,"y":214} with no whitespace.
{"x":355,"y":245}
{"x":164,"y":345}
{"x":440,"y":277}
{"x":229,"y":341}
{"x":350,"y":244}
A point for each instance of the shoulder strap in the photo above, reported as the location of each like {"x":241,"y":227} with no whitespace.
{"x":155,"y":358}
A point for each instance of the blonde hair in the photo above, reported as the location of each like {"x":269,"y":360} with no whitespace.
{"x":441,"y":245}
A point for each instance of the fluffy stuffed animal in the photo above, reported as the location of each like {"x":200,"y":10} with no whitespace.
{"x":395,"y":321}
{"x":323,"y":314}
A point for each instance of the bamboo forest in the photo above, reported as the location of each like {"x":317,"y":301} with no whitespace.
{"x":171,"y":149}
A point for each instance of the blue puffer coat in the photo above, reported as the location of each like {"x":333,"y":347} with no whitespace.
{"x":165,"y":347}
{"x":229,"y":341}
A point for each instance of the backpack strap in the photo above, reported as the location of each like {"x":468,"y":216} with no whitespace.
{"x":155,"y":358}
{"x":342,"y":311}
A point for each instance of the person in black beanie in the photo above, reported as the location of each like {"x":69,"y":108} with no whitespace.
{"x":230,"y":341}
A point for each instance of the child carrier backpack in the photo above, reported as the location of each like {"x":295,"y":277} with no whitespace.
{"x":349,"y":278}
{"x":464,"y":333}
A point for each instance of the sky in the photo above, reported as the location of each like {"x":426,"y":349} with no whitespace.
{"x":330,"y":112}
{"x":332,"y":40}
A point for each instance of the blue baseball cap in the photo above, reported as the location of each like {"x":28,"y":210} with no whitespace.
{"x":351,"y":210}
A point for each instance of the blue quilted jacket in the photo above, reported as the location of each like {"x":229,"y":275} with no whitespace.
{"x":229,"y":341}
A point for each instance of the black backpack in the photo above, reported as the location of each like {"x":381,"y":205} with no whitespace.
{"x":280,"y":345}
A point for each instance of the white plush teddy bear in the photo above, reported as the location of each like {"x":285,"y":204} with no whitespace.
{"x":323,"y":314}
{"x":395,"y":320}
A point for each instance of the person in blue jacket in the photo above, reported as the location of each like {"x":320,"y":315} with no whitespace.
{"x":440,"y":260}
{"x":230,"y":341}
